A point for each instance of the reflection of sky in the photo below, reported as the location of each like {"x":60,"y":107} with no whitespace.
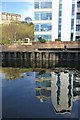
{"x":24,"y":91}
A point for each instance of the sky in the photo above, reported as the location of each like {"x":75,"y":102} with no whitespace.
{"x":22,"y":7}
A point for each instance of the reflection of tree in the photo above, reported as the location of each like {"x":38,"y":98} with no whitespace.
{"x":69,"y":91}
{"x":12,"y":73}
{"x":58,"y":88}
{"x":42,"y":72}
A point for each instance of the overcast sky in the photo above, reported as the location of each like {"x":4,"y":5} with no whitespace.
{"x":23,"y":7}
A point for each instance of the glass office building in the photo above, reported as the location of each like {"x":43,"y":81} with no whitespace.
{"x":58,"y":19}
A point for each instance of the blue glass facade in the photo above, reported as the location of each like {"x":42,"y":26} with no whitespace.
{"x":78,"y":4}
{"x":43,"y":16}
{"x":36,"y":5}
{"x":78,"y":23}
{"x":43,"y":27}
{"x":60,"y":19}
{"x":72,"y":19}
{"x":77,"y":27}
{"x":78,"y":15}
{"x":46,"y":37}
{"x":41,"y":5}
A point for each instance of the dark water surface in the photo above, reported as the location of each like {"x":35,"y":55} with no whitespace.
{"x":28,"y":91}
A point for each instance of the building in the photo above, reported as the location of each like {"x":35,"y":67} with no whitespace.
{"x":8,"y":17}
{"x":57,"y":19}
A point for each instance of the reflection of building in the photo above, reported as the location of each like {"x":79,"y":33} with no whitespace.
{"x":51,"y":17}
{"x":61,"y":92}
{"x":8,"y":17}
{"x":60,"y":87}
{"x":43,"y":86}
{"x":76,"y":86}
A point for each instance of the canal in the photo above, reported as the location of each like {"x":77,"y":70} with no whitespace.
{"x":40,"y":89}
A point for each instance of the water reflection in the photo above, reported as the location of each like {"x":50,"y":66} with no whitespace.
{"x":43,"y":85}
{"x":69,"y":91}
{"x":40,"y":64}
{"x":13,"y":73}
{"x":59,"y":87}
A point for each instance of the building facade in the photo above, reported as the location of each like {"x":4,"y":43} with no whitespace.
{"x":8,"y":17}
{"x":58,"y":19}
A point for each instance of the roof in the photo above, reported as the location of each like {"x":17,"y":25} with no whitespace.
{"x":11,"y":14}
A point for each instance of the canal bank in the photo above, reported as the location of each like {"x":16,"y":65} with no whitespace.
{"x":42,"y":51}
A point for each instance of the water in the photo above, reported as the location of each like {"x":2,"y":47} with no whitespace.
{"x":36,"y":92}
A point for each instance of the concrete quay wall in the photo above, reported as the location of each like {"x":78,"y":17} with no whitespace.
{"x":38,"y":45}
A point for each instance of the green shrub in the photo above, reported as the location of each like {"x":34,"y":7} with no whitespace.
{"x":41,"y":40}
{"x":57,"y":40}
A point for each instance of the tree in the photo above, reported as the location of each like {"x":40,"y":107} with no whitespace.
{"x":16,"y":31}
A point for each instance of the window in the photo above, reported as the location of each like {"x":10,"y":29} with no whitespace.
{"x":46,"y":4}
{"x":78,"y":28}
{"x":6,"y":17}
{"x":36,"y":15}
{"x":36,"y":5}
{"x":78,"y":4}
{"x":11,"y":17}
{"x":46,"y":27}
{"x":59,"y":27}
{"x":78,"y":15}
{"x":60,"y":6}
{"x":59,"y":20}
{"x":71,"y":36}
{"x":73,"y":8}
{"x":46,"y":16}
{"x":36,"y":27}
{"x":46,"y":37}
{"x":60,"y":1}
{"x":43,"y":16}
{"x":77,"y":38}
{"x":60,"y":13}
{"x":43,"y":27}
{"x":59,"y":35}
{"x":72,"y":24}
